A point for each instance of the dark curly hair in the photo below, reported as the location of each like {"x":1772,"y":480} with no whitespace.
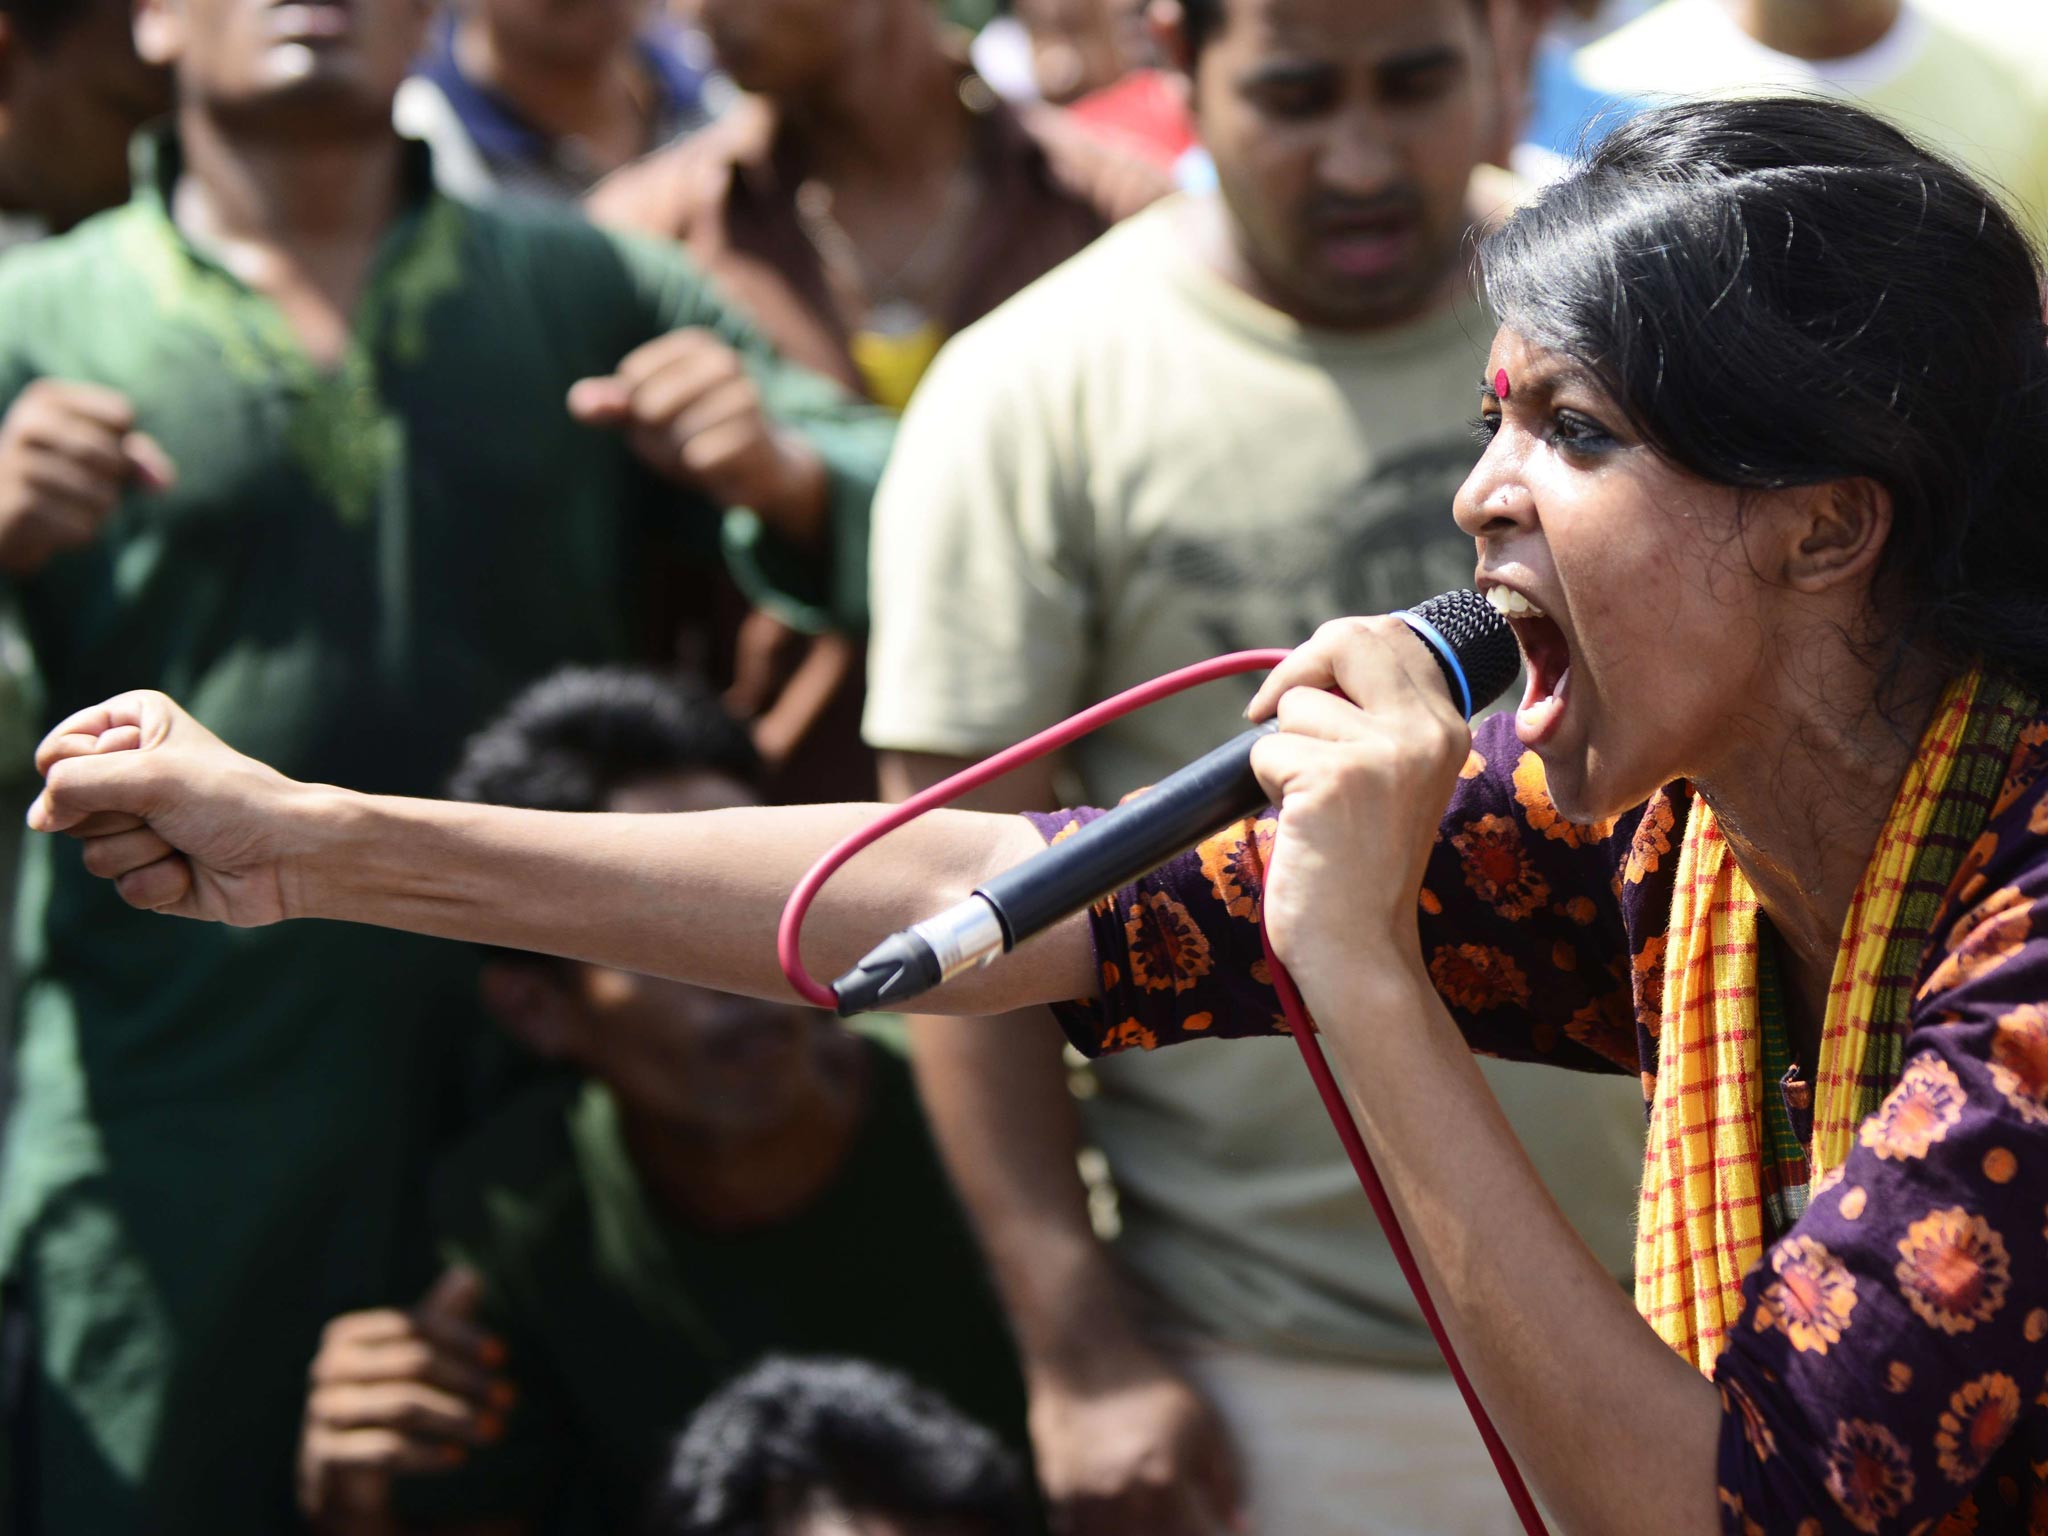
{"x":867,"y":1438}
{"x":576,"y":738}
{"x":1787,"y":291}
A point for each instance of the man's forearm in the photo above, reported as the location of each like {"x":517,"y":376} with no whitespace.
{"x":995,"y":1091}
{"x":695,"y":897}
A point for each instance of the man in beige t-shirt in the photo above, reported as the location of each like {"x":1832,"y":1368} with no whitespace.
{"x":1228,"y":420}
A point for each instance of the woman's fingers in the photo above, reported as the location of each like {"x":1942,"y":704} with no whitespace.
{"x":1320,"y":713}
{"x":1312,"y":664}
{"x":158,"y":887}
{"x":113,"y":855}
{"x":148,"y":714}
{"x":1369,"y":661}
{"x":1283,"y":760}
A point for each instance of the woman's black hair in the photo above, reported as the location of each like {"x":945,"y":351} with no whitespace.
{"x":1787,"y":291}
{"x":862,"y":1436}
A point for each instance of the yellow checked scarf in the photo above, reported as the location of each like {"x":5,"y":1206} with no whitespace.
{"x":1700,"y":1227}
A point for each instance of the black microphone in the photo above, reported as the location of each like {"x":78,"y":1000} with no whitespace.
{"x":1473,"y":647}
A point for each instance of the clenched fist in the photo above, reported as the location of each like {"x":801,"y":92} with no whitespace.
{"x":177,"y":819}
{"x":67,"y":452}
{"x":690,"y":410}
{"x":394,"y":1392}
{"x":1142,"y":1454}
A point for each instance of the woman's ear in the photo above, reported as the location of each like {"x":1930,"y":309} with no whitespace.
{"x":534,"y":1005}
{"x":1836,"y":533}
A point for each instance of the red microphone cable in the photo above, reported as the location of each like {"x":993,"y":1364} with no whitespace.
{"x":788,"y":942}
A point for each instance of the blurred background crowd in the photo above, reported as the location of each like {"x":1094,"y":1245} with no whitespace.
{"x":586,"y":405}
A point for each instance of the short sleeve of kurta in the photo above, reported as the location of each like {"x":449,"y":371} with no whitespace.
{"x":1886,"y":1373}
{"x":816,"y":589}
{"x":1521,"y":924}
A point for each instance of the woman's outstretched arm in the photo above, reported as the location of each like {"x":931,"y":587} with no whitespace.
{"x":186,"y":825}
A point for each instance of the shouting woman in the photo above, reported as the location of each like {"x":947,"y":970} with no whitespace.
{"x":1767,"y":433}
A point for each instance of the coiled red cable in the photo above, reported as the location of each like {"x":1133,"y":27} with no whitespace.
{"x":789,"y":936}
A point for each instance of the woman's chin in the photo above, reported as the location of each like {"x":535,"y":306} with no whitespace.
{"x":1580,"y":792}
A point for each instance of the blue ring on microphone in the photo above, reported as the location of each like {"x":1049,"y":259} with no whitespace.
{"x":1446,"y":653}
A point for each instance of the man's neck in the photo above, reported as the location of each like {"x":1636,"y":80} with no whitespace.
{"x":892,"y":114}
{"x":1210,"y":234}
{"x":288,"y":194}
{"x":1818,"y":30}
{"x":567,"y":100}
{"x":730,"y":1183}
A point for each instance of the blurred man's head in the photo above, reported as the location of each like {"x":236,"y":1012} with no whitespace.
{"x":1345,"y":133}
{"x":72,"y":94}
{"x":568,"y":35}
{"x":1078,"y":46}
{"x":789,"y":49}
{"x":308,"y":68}
{"x":837,"y":1448}
{"x":623,"y":740}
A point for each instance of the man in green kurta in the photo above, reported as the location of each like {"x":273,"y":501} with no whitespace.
{"x":343,"y":463}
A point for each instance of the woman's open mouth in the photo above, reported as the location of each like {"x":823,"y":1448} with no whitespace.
{"x":1547,"y":663}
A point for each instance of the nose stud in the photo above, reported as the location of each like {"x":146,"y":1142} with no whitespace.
{"x":1500,"y":383}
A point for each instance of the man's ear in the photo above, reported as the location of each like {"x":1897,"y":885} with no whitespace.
{"x":1837,"y":533}
{"x":159,"y":32}
{"x":535,"y":1005}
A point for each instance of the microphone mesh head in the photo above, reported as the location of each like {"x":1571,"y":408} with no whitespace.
{"x":1481,"y":637}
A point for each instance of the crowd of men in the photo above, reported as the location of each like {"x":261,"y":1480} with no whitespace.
{"x":587,"y":405}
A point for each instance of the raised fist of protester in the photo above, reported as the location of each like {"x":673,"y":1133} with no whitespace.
{"x":1361,"y":775}
{"x":692,"y":412}
{"x":177,"y":819}
{"x":67,"y":452}
{"x":397,"y":1392}
{"x":1138,"y":1454}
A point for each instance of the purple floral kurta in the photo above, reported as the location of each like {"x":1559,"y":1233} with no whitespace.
{"x":1889,"y":1372}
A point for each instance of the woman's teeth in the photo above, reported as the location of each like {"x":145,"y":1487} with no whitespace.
{"x":1510,"y":604}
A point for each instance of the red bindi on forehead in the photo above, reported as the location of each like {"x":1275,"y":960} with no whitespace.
{"x":1500,"y":383}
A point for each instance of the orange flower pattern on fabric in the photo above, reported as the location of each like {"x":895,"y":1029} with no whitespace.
{"x":2019,"y":1062}
{"x":1841,"y":1415}
{"x":1646,"y":983}
{"x":1477,"y":977}
{"x":1917,"y":1113}
{"x":1980,"y":1417}
{"x":1983,"y":939}
{"x":1532,"y":794}
{"x":1606,"y":1025}
{"x":1167,"y":949}
{"x":1869,"y":1473}
{"x":1960,"y":1521}
{"x":1236,"y":866}
{"x":1497,"y":870}
{"x":1953,"y":1270}
{"x":1130,"y":1035}
{"x":1646,"y":850}
{"x":1811,"y":1300}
